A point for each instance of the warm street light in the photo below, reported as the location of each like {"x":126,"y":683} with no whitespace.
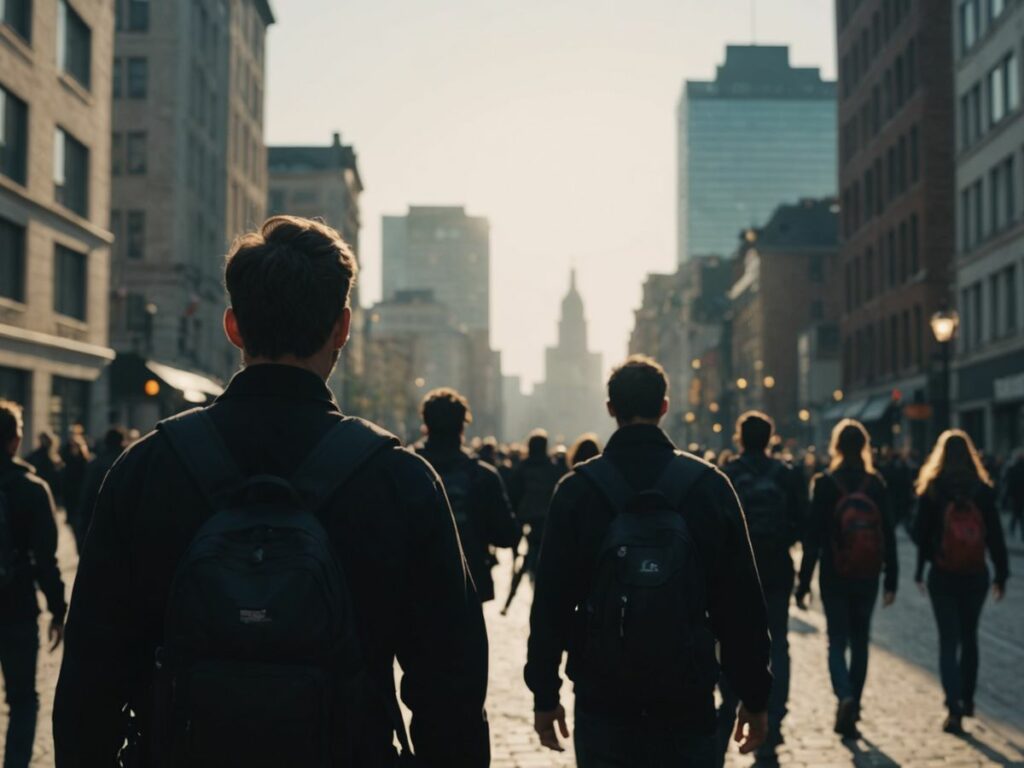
{"x":690,"y":417}
{"x":151,"y":387}
{"x":695,"y":363}
{"x":944,"y":325}
{"x":804,"y":415}
{"x":420,"y":382}
{"x":838,"y":395}
{"x":769,"y":382}
{"x":714,"y":407}
{"x":716,"y":428}
{"x":742,"y":383}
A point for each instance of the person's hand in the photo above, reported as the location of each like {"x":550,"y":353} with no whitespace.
{"x":544,"y":725}
{"x":751,"y":729}
{"x":922,"y":588}
{"x":55,"y":633}
{"x":998,"y":590}
{"x":888,"y":598}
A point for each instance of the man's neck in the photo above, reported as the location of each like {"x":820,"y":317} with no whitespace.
{"x":640,"y":422}
{"x":306,"y":364}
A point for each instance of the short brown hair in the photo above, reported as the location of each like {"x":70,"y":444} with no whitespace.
{"x":445,"y":412}
{"x":10,"y":421}
{"x":637,"y":389}
{"x":754,"y":431}
{"x":289,"y":284}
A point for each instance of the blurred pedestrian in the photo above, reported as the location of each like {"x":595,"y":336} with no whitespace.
{"x":586,"y":447}
{"x":77,"y":457}
{"x":46,"y":461}
{"x":114,"y":442}
{"x":957,"y":522}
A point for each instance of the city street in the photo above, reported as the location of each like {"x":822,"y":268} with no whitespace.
{"x":902,"y":705}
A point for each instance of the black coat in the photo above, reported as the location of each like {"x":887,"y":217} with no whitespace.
{"x":398,"y":548}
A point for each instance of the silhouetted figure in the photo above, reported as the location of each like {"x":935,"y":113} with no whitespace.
{"x":114,"y":442}
{"x":46,"y":461}
{"x":77,"y":457}
{"x":957,"y":523}
{"x":850,"y":529}
{"x":584,"y":449}
{"x":531,"y":489}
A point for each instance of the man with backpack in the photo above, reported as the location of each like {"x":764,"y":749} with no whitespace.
{"x":645,"y":565}
{"x":772,"y":495}
{"x":28,"y":557}
{"x":483,"y":514}
{"x":253,"y":569}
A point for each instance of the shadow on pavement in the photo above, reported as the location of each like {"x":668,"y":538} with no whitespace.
{"x":992,"y":754}
{"x":870,"y":756}
{"x":800,"y":627}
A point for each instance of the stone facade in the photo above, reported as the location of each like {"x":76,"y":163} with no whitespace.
{"x":55,"y":255}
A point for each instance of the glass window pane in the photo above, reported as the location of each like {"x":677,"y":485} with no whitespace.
{"x":69,"y":288}
{"x":13,"y":136}
{"x":12,"y":260}
{"x":138,"y":77}
{"x":136,"y":144}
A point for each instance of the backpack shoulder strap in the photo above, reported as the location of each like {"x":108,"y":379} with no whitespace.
{"x":342,"y":451}
{"x":679,"y":477}
{"x":200,"y":447}
{"x":609,"y":481}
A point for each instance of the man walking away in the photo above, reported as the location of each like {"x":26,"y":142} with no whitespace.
{"x":47,"y":463}
{"x":113,"y":444}
{"x":475,"y":492}
{"x":533,"y":484}
{"x":28,"y":557}
{"x":645,"y":565}
{"x":772,"y":494}
{"x":273,"y":558}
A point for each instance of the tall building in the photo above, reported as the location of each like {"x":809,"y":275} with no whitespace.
{"x":572,"y":395}
{"x":324,"y":182}
{"x":896,"y":177}
{"x":760,"y":132}
{"x":447,"y":252}
{"x":190,"y":174}
{"x":990,"y":221}
{"x":55,"y":76}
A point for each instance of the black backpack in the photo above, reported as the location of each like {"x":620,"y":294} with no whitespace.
{"x":8,"y":552}
{"x":539,"y":481}
{"x":764,"y":504}
{"x":260,"y":663}
{"x":647,"y":636}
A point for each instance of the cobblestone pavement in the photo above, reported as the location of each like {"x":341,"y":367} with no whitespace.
{"x":902,"y":704}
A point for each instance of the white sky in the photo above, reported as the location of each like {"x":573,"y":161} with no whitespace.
{"x":553,"y":118}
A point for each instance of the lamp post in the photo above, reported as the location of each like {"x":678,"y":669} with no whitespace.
{"x":944,"y":325}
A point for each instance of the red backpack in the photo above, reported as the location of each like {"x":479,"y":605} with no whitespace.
{"x":859,"y":543}
{"x":962,"y":545}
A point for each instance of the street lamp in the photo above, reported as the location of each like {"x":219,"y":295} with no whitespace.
{"x":769,"y":382}
{"x":742,"y":383}
{"x":695,"y":363}
{"x":944,"y":325}
{"x":838,"y":395}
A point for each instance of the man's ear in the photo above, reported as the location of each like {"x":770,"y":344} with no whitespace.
{"x":664,"y":408}
{"x":231,"y":328}
{"x":611,"y":410}
{"x":342,"y":329}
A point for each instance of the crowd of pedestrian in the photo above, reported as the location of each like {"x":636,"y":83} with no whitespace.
{"x":250,"y":572}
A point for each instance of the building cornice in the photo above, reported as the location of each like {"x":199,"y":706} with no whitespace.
{"x":82,"y":226}
{"x":94,"y":352}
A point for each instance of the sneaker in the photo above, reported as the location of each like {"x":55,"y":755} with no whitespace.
{"x":953,"y":724}
{"x":846,"y":722}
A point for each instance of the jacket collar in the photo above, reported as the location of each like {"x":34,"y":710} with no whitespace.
{"x":638,"y":435}
{"x":281,"y":381}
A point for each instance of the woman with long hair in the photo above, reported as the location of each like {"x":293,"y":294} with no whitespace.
{"x":850,"y":530}
{"x":957,"y":522}
{"x":586,"y":447}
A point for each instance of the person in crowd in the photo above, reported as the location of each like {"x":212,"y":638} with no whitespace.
{"x":899,"y":479}
{"x":46,"y":462}
{"x":380,"y":513}
{"x":28,"y":559}
{"x":533,"y":484}
{"x":475,"y":491}
{"x":1013,"y":490}
{"x":772,"y":495}
{"x":586,"y":447}
{"x":850,"y":530}
{"x":957,"y":522}
{"x":642,"y":645}
{"x":114,"y":442}
{"x":76,"y":457}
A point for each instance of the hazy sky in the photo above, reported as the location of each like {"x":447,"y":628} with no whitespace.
{"x":553,"y":118}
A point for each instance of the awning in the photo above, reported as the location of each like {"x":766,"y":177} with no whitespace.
{"x":876,"y":408}
{"x":194,"y":387}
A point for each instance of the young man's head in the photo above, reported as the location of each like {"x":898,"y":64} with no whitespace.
{"x":10,"y":427}
{"x":754,"y":432}
{"x":289,"y":286}
{"x":445,"y":414}
{"x":637,"y":392}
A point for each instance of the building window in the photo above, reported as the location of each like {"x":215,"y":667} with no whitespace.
{"x":69,"y":404}
{"x":135,"y":142}
{"x":817,"y":310}
{"x":13,"y":136}
{"x":979,"y":211}
{"x":894,"y":344}
{"x":117,"y":154}
{"x":1010,"y":281}
{"x":915,"y":157}
{"x":135,"y":240}
{"x":905,"y":340}
{"x":69,"y":286}
{"x":115,"y":229}
{"x":918,"y":336}
{"x":71,"y":172}
{"x":17,"y":14}
{"x":12,"y":260}
{"x":869,"y":274}
{"x":995,"y":310}
{"x":911,"y":58}
{"x":138,"y":15}
{"x":976,"y":310}
{"x":138,"y":77}
{"x":817,"y":268}
{"x":74,"y":44}
{"x":915,"y":259}
{"x":996,"y":8}
{"x":118,"y":76}
{"x":968,"y":24}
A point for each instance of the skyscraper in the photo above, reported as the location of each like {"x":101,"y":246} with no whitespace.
{"x":761,"y":133}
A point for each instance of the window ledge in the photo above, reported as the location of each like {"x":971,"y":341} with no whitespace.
{"x":76,"y":88}
{"x":19,"y":44}
{"x":12,"y":305}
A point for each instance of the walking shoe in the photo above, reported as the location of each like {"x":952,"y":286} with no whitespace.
{"x":846,"y":723}
{"x":953,"y":724}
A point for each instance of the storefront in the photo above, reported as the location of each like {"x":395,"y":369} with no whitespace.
{"x":990,"y":403}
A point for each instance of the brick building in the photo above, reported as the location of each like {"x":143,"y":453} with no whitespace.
{"x":896,"y":177}
{"x":55,"y":74}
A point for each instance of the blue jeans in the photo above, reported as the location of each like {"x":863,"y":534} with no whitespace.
{"x":848,"y":616}
{"x":777,"y":603}
{"x":957,"y":603}
{"x":639,"y":741}
{"x":19,"y":649}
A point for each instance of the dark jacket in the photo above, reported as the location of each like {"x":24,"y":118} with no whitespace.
{"x":396,"y":542}
{"x":576,"y":527}
{"x":90,"y":492}
{"x":776,"y":566}
{"x":931,"y":509}
{"x":821,"y":530}
{"x":490,"y":523}
{"x":47,"y":469}
{"x":34,"y":534}
{"x":533,"y":483}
